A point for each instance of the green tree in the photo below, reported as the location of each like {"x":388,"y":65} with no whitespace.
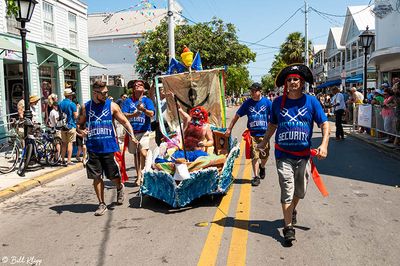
{"x":238,"y":78}
{"x":216,"y":41}
{"x":268,"y":82}
{"x":290,"y":52}
{"x":12,"y":7}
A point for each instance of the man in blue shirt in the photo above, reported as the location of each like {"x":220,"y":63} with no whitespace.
{"x":68,"y":133}
{"x":292,"y":117}
{"x":139,"y":110}
{"x":258,"y":110}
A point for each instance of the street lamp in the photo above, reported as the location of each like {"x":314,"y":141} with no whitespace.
{"x":366,"y":39}
{"x":25,"y":11}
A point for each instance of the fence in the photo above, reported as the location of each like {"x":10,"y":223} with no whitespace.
{"x":370,"y":116}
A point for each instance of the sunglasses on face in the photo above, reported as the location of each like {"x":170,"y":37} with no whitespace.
{"x":293,"y":79}
{"x":139,"y":85}
{"x":104,"y":93}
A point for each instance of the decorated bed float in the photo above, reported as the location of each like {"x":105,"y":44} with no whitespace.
{"x":178,"y":182}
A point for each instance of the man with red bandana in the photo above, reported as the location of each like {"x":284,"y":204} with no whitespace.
{"x":196,"y":132}
{"x":293,"y":116}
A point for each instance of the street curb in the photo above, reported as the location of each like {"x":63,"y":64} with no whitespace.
{"x":388,"y":151}
{"x":37,"y":181}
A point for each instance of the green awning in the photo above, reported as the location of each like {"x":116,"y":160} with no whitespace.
{"x":86,"y":58}
{"x":5,"y":44}
{"x":62,"y":53}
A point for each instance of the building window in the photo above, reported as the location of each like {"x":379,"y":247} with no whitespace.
{"x":12,"y":25}
{"x":48,"y":22}
{"x":73,"y":34}
{"x":47,"y":85}
{"x":348,"y":56}
{"x":353,"y":50}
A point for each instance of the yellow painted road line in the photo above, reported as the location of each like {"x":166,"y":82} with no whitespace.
{"x":238,"y":246}
{"x":211,"y":246}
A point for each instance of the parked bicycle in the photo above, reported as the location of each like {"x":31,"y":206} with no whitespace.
{"x":42,"y":147}
{"x":10,"y":148}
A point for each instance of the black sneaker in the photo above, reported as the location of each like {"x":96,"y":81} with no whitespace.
{"x":289,"y":234}
{"x":262,"y":172}
{"x":294,"y":217}
{"x":120,"y":195}
{"x":256,"y":181}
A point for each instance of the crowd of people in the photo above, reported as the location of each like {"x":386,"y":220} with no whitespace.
{"x":385,"y":100}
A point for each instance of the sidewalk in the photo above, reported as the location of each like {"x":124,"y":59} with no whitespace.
{"x":388,"y":148}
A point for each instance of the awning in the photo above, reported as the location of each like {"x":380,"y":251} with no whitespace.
{"x":330,"y":83}
{"x":5,"y":44}
{"x":62,"y":53}
{"x":85,"y":58}
{"x":355,"y":79}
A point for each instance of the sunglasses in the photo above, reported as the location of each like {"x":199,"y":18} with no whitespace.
{"x":104,"y":93}
{"x":293,"y":79}
{"x":139,"y":85}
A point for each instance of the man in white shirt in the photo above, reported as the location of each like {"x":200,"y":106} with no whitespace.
{"x":339,"y":106}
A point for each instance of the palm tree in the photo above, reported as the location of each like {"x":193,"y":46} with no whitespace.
{"x":292,"y":49}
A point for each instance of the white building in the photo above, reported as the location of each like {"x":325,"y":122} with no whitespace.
{"x":358,"y":18}
{"x":386,"y":56}
{"x":113,"y":40}
{"x":335,"y":53}
{"x":319,"y":63}
{"x":57,"y":45}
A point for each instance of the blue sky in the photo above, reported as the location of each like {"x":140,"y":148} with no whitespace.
{"x":254,"y":19}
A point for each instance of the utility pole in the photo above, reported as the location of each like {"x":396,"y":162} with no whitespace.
{"x":306,"y":39}
{"x":171,"y":33}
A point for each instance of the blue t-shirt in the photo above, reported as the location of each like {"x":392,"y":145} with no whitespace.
{"x":142,"y":122}
{"x":258,"y":114}
{"x":68,"y":107}
{"x":295,"y":123}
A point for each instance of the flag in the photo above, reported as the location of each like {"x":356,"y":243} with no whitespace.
{"x":175,"y":67}
{"x":196,"y":65}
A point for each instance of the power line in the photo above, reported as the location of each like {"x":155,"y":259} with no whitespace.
{"x":262,"y":45}
{"x":342,"y":16}
{"x":279,"y":27}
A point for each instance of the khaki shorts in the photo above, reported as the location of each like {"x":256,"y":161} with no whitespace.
{"x":68,"y":136}
{"x":255,"y":153}
{"x":293,"y":178}
{"x":144,"y":142}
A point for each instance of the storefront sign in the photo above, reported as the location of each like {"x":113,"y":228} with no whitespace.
{"x":365,"y":115}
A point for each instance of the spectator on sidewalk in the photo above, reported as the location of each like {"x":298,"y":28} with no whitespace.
{"x":396,"y":92}
{"x":139,"y":110}
{"x":98,"y":115}
{"x":68,"y":133}
{"x":293,"y":116}
{"x":339,"y":107}
{"x":258,"y":111}
{"x":121,"y":100}
{"x":388,"y":114}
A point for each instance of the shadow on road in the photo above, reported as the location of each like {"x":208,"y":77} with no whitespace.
{"x":75,"y":208}
{"x":266,"y":228}
{"x":354,"y":159}
{"x":155,"y":205}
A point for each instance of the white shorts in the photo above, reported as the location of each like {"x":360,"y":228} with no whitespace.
{"x":144,"y":142}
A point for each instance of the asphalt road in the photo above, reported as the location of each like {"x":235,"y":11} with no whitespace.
{"x":356,"y":225}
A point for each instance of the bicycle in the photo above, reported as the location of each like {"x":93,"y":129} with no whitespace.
{"x":45,"y":151}
{"x":10,"y":148}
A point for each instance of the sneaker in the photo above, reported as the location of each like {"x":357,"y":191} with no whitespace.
{"x":255,"y":182}
{"x":262,"y":172}
{"x":289,"y":233}
{"x":294,"y":217}
{"x":101,"y":209}
{"x":120,"y":195}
